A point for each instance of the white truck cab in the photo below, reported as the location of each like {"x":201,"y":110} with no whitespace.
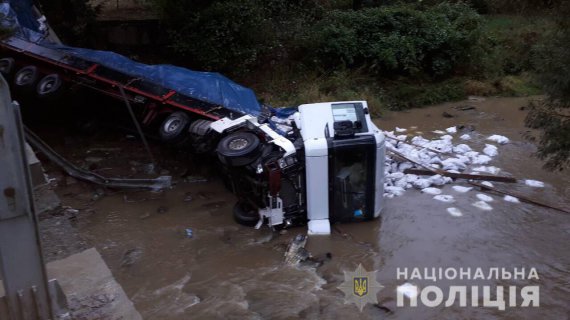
{"x":327,"y":165}
{"x":344,"y":160}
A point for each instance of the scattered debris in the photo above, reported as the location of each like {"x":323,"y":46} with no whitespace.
{"x":521,"y":198}
{"x":189,"y":233}
{"x":451,"y":130}
{"x":446,"y":114}
{"x":534,"y":183}
{"x":511,"y":199}
{"x":487,"y":169}
{"x":296,"y":250}
{"x":490,"y":150}
{"x":465,"y":108}
{"x":444,"y":198}
{"x":455,"y":212}
{"x":487,"y":184}
{"x":498,"y":139}
{"x":79,"y":173}
{"x":432,"y":191}
{"x":484,"y":197}
{"x":460,"y":175}
{"x":461,"y":189}
{"x":401,"y":129}
{"x":483,"y":205}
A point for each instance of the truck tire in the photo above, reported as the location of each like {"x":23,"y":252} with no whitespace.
{"x":49,"y":86}
{"x":26,"y":77}
{"x":238,"y":149}
{"x":174,"y":127}
{"x":245,"y":215}
{"x":7,"y":66}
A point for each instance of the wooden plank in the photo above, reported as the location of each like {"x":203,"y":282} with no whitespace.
{"x":485,"y":188}
{"x":422,"y":172}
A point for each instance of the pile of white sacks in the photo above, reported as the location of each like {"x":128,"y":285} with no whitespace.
{"x":456,"y":158}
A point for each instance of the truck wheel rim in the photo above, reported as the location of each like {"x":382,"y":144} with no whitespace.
{"x":171,"y":125}
{"x":47,"y":85}
{"x":238,"y":144}
{"x":24,"y":77}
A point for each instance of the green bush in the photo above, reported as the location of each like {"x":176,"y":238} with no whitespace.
{"x":396,"y":40}
{"x":234,"y":35}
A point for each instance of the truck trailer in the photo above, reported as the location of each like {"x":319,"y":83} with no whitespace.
{"x":313,"y":164}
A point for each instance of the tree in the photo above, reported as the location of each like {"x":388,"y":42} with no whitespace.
{"x":552,"y":116}
{"x":72,"y":20}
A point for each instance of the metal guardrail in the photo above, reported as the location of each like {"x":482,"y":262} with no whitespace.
{"x":159,"y":183}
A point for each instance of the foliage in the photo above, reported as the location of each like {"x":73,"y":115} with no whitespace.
{"x":507,"y":44}
{"x":405,"y":40}
{"x":552,"y":116}
{"x":72,"y":20}
{"x":234,"y":35}
{"x":523,"y":6}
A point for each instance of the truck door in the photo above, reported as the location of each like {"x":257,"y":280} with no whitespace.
{"x":351,"y":178}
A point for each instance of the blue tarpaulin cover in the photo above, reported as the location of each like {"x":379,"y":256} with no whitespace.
{"x":205,"y":86}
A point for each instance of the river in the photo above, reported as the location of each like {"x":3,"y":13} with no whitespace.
{"x":227,"y":271}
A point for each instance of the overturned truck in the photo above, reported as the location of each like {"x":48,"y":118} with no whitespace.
{"x":313,"y":164}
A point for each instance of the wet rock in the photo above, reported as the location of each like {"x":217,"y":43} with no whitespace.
{"x":188,"y":197}
{"x":130,"y":257}
{"x":465,"y":108}
{"x":466,"y":127}
{"x":98,"y":194}
{"x":446,"y":114}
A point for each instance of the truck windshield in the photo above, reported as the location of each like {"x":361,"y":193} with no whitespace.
{"x":350,"y":181}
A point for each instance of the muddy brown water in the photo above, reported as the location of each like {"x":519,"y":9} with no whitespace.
{"x":227,"y":271}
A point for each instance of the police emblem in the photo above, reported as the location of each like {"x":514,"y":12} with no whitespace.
{"x":360,"y":287}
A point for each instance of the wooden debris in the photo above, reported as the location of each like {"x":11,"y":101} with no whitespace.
{"x":466,"y":176}
{"x":488,"y":189}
